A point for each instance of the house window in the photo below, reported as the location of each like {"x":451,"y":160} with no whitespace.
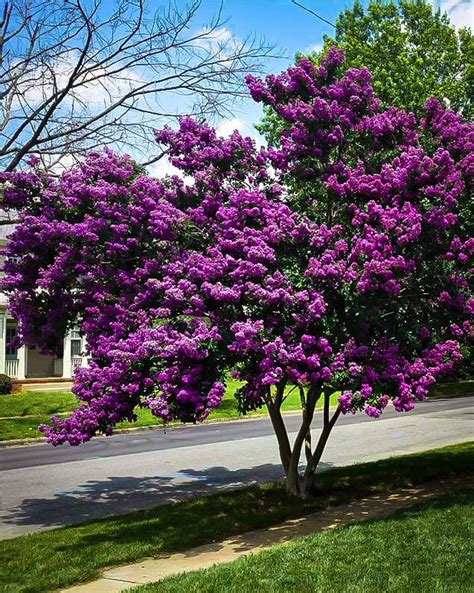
{"x":75,"y":348}
{"x":11,"y":352}
{"x":12,"y":258}
{"x":76,"y":343}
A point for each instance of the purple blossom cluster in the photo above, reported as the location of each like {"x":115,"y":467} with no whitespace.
{"x":337,"y":259}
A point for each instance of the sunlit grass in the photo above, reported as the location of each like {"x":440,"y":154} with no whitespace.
{"x":427,"y":548}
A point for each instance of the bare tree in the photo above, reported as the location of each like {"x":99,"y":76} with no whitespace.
{"x":80,"y":74}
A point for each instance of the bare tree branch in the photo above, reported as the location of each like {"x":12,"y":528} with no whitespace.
{"x":73,"y":74}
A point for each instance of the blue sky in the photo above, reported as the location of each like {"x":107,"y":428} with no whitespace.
{"x":280,"y":23}
{"x":283,"y":23}
{"x":292,"y":29}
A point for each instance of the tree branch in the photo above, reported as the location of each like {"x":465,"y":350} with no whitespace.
{"x":67,"y":52}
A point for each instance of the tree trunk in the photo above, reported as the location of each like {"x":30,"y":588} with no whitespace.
{"x":312,"y":465}
{"x":274,"y":409}
{"x":299,"y":485}
{"x":294,"y":484}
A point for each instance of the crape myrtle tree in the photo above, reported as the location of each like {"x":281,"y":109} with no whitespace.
{"x":335,"y":262}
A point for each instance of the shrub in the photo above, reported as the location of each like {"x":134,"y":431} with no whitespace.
{"x":6,"y":384}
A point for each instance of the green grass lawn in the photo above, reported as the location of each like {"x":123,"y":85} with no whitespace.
{"x":425,"y":549}
{"x":33,"y":408}
{"x":36,"y":403}
{"x":57,"y":558}
{"x":455,"y":388}
{"x":30,"y":409}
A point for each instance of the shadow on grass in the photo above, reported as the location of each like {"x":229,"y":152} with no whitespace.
{"x":116,"y":495}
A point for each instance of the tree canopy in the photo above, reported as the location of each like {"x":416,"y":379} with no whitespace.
{"x":336,"y":261}
{"x":412,"y":51}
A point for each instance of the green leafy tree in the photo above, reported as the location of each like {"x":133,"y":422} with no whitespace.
{"x":412,"y":51}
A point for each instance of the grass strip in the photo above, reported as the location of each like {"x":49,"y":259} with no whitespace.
{"x":52,"y":559}
{"x":426,"y":548}
{"x":22,"y":413}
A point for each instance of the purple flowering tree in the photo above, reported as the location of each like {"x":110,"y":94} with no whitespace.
{"x":334,"y":262}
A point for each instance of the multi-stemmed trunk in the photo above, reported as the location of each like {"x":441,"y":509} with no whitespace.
{"x":298,"y":483}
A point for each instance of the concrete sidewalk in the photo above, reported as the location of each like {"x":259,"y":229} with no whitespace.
{"x":155,"y":569}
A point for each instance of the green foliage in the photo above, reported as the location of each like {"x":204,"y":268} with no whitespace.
{"x":412,"y":52}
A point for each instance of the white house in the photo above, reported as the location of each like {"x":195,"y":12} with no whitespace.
{"x":26,"y":365}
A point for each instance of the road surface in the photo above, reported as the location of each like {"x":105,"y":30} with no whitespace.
{"x":44,"y":487}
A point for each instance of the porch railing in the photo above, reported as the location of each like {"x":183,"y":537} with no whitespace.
{"x":11,"y":368}
{"x":76,"y":361}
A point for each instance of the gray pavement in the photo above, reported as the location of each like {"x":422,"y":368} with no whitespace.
{"x":43,"y":487}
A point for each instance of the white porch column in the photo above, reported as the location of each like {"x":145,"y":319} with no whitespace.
{"x":85,"y":358}
{"x":3,"y":341}
{"x":22,"y":362}
{"x":67,"y":364}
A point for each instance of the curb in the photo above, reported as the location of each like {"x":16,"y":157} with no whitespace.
{"x":40,"y":440}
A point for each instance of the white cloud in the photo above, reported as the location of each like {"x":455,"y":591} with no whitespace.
{"x":316,"y":48}
{"x":162,"y":168}
{"x":58,"y":164}
{"x":460,"y":12}
{"x":220,"y":41}
{"x":216,"y":37}
{"x":244,"y":127}
{"x":227,"y":126}
{"x":94,"y":94}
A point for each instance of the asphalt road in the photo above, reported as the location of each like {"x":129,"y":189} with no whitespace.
{"x":44,"y":487}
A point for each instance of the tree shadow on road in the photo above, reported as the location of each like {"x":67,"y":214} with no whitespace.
{"x":119,"y":495}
